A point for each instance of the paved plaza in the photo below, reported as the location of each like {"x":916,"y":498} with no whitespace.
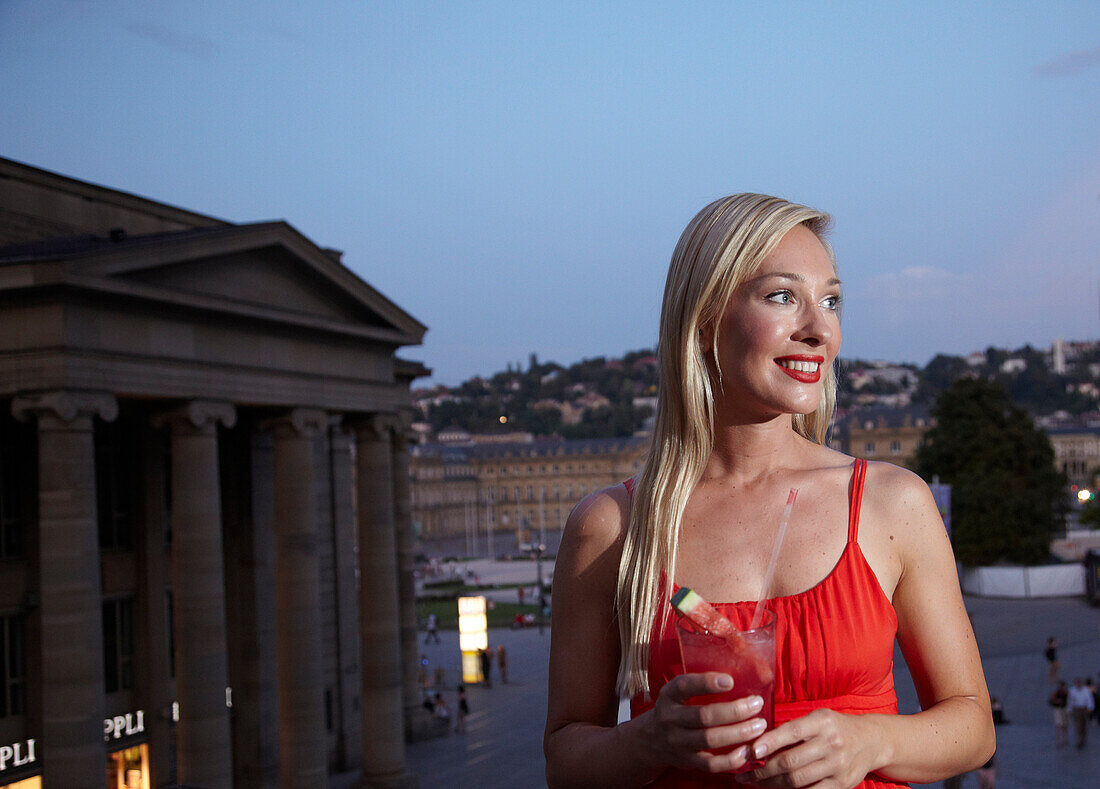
{"x":503,"y":743}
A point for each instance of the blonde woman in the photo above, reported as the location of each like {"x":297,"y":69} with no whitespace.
{"x":749,"y":332}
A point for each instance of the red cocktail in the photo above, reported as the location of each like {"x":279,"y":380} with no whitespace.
{"x":749,"y":658}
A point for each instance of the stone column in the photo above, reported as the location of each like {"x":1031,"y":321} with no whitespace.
{"x":345,"y":568}
{"x":70,"y":597}
{"x":417,"y":720}
{"x":203,"y":742}
{"x":380,"y":646}
{"x":303,"y":748}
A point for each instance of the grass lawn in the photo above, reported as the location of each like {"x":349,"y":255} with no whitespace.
{"x":446,"y":613}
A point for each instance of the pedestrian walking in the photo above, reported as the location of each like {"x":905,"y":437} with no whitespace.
{"x":1095,"y":691}
{"x":440,"y":711}
{"x":486,"y":657}
{"x":502,"y":663}
{"x":1080,"y":705}
{"x":1051,"y":654}
{"x":1058,"y":700}
{"x":432,"y":629}
{"x":463,"y":709}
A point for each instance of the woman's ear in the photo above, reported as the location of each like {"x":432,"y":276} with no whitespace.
{"x":706,"y":340}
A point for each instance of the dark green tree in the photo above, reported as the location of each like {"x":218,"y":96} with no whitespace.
{"x":1006,"y":496}
{"x":1090,"y":514}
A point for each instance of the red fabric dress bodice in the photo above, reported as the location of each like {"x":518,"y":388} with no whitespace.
{"x":834,"y":647}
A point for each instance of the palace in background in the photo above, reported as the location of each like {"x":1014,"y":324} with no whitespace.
{"x":504,"y":493}
{"x":205,"y":537}
{"x":499,"y":492}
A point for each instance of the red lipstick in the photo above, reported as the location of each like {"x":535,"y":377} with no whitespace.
{"x":797,"y":367}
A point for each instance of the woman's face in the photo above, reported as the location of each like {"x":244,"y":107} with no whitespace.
{"x":780,"y":331}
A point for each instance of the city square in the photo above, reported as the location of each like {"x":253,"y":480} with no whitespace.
{"x":503,"y":744}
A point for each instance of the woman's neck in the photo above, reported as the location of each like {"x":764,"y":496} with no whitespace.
{"x":748,"y":451}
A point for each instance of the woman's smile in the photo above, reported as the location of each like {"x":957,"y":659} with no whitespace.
{"x":802,"y":368}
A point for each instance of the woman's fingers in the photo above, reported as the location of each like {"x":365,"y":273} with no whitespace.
{"x":686,"y":686}
{"x":718,"y":737}
{"x":691,"y":733}
{"x":803,"y":752}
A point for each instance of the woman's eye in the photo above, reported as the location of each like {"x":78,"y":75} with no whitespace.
{"x":780,"y":297}
{"x":831,"y":302}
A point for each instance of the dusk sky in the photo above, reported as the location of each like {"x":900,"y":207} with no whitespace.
{"x":515,"y":175}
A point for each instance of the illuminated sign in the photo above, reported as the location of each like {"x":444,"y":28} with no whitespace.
{"x":123,"y":725}
{"x":473,"y":635}
{"x":18,"y":754}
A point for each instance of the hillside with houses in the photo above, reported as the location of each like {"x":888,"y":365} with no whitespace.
{"x":607,"y":397}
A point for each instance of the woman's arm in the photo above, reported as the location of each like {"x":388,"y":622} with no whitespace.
{"x":582,"y":743}
{"x":954,"y":731}
{"x":583,"y":746}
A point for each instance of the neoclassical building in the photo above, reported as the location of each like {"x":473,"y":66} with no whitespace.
{"x":205,"y":542}
{"x":503,"y":494}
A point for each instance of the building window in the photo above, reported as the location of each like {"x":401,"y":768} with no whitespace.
{"x":18,"y":484}
{"x":118,"y":644}
{"x":895,"y":447}
{"x":13,"y":657}
{"x":114,"y":489}
{"x":170,"y":617}
{"x":869,"y":447}
{"x":11,"y":531}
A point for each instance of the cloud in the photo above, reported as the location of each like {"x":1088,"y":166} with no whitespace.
{"x":911,"y":282}
{"x":184,"y":43}
{"x":1072,"y":63}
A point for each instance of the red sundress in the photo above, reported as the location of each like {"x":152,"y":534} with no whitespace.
{"x":834,"y":648}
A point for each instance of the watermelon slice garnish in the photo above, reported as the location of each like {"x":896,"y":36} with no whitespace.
{"x":699,"y":612}
{"x":691,"y":605}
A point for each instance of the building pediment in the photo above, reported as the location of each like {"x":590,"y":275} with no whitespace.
{"x":267,"y":272}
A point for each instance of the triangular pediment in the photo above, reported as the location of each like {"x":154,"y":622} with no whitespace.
{"x":267,"y":271}
{"x":269,"y":277}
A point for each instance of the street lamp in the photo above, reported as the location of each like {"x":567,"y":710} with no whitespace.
{"x":538,"y":549}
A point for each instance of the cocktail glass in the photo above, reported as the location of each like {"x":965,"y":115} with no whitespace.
{"x":749,"y":659}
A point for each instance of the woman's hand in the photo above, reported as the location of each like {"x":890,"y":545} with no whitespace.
{"x":822,"y":749}
{"x":679,"y":735}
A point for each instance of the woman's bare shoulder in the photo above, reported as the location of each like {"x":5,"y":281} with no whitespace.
{"x":892,"y":489}
{"x":898,"y":504}
{"x":599,"y":519}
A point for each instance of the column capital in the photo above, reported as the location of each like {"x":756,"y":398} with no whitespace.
{"x":198,"y":417}
{"x":403,"y":434}
{"x":375,"y":427}
{"x":65,"y":405}
{"x":299,"y":422}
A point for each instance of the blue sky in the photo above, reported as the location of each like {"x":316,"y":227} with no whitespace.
{"x":516,"y":174}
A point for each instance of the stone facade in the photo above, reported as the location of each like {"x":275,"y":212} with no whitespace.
{"x":200,"y":424}
{"x":887,"y":434}
{"x":507,"y":493}
{"x":1077,"y":452}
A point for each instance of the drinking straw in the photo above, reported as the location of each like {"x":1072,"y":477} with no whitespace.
{"x":758,"y":614}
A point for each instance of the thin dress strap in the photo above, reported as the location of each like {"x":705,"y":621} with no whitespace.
{"x":859,"y":474}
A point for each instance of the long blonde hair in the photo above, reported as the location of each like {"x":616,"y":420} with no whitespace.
{"x":721,"y":247}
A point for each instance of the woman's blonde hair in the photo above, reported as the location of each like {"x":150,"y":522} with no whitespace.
{"x":721,"y":247}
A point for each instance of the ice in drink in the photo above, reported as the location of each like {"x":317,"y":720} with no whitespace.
{"x":749,"y":659}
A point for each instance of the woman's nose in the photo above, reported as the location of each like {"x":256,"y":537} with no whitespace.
{"x":815,"y":327}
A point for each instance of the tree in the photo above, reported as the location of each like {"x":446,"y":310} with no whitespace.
{"x":1090,"y":515}
{"x":938,"y":375}
{"x":1006,"y":495}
